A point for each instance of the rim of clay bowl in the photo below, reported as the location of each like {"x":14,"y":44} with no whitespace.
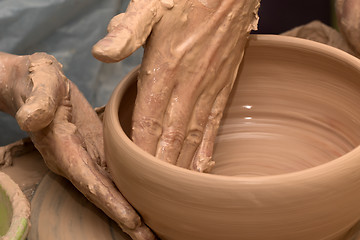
{"x":20,"y":211}
{"x":287,"y":42}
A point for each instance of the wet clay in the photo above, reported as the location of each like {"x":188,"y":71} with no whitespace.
{"x":66,"y":131}
{"x":58,"y":210}
{"x":288,"y":121}
{"x":184,"y":82}
{"x":27,"y":171}
{"x":294,"y":110}
{"x":58,"y":204}
{"x":189,"y":66}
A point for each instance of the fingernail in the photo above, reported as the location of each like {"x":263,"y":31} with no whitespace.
{"x":32,"y":118}
{"x":102,"y":50}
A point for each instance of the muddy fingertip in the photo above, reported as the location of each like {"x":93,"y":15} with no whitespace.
{"x":103,"y":52}
{"x":32,"y":118}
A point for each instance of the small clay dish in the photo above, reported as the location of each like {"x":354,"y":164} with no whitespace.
{"x":14,"y":210}
{"x":287,"y":155}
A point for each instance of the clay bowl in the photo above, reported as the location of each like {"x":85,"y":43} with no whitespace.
{"x":287,"y":155}
{"x":14,"y":210}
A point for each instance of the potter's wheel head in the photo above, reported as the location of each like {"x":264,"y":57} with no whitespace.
{"x":61,"y":212}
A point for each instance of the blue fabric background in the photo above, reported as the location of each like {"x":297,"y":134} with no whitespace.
{"x":66,"y":29}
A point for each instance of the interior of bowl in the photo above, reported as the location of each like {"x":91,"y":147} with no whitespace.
{"x":293,"y":107}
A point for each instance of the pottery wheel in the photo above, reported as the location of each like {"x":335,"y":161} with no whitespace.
{"x":61,"y":212}
{"x":58,"y":210}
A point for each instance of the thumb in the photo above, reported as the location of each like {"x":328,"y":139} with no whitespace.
{"x":128,"y":31}
{"x":47,"y":93}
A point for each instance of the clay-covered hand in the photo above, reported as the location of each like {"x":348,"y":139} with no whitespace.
{"x":348,"y":15}
{"x":66,"y":131}
{"x":192,"y":53}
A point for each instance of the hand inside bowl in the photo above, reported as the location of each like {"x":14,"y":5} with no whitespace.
{"x":192,"y":53}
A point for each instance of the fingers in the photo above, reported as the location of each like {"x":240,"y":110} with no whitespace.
{"x":142,"y":232}
{"x":128,"y":31}
{"x":174,"y":126}
{"x":175,"y":123}
{"x":195,"y":130}
{"x":211,"y":83}
{"x":202,"y":114}
{"x":64,"y":154}
{"x":154,"y":92}
{"x":89,"y":126}
{"x":186,"y":115}
{"x":225,"y":77}
{"x":202,"y":161}
{"x":48,"y":90}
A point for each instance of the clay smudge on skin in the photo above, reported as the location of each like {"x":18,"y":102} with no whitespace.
{"x":199,"y":72}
